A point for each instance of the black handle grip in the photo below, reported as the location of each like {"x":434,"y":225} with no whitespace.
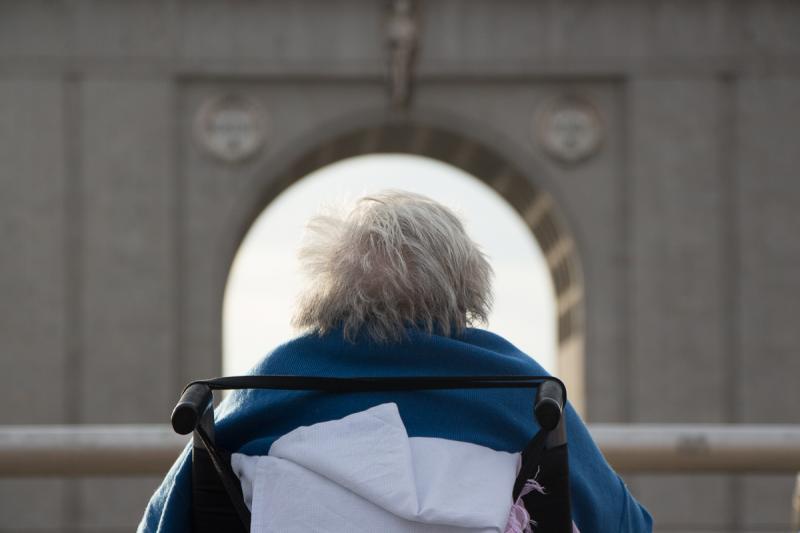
{"x":549,"y":405}
{"x":190,"y":408}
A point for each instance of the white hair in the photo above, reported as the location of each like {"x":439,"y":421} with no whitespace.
{"x":398,"y":260}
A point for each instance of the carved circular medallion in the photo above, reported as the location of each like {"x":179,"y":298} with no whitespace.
{"x":231,"y":127}
{"x":569,"y":129}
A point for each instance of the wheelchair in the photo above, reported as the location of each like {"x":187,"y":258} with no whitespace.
{"x":217,"y":500}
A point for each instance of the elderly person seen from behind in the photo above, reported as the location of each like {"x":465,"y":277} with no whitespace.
{"x":395,"y":288}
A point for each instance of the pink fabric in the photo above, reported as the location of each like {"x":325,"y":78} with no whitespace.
{"x":519,"y":521}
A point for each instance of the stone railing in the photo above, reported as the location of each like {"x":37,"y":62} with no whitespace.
{"x":92,"y":450}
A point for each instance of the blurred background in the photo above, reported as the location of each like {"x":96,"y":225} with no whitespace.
{"x":630,"y":167}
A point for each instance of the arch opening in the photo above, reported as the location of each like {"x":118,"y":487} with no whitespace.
{"x":536,"y":212}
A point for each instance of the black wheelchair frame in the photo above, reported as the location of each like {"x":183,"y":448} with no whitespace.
{"x":217,"y":501}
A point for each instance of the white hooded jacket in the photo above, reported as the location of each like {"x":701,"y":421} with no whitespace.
{"x":363,"y":474}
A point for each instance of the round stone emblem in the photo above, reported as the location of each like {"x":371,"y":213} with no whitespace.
{"x":231,"y":127}
{"x":568,"y":128}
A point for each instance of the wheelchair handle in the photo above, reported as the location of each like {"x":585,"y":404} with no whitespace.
{"x":197,"y":396}
{"x":549,"y":405}
{"x":190,"y":408}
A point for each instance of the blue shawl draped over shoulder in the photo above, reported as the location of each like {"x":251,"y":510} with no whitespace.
{"x":249,"y":421}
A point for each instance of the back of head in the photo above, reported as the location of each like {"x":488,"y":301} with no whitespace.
{"x":398,"y":260}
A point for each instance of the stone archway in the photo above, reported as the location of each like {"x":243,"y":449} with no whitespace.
{"x":537,"y":208}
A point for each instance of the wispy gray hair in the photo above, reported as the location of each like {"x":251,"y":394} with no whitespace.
{"x":398,"y":260}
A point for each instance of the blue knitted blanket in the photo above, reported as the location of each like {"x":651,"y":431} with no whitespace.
{"x":249,"y":421}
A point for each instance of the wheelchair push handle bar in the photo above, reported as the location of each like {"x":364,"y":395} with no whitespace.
{"x":197,"y":397}
{"x":190,"y":408}
{"x":549,"y":404}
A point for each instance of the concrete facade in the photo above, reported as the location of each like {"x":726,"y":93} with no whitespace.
{"x":681,"y":232}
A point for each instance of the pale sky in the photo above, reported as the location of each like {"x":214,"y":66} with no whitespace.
{"x":265,"y":280}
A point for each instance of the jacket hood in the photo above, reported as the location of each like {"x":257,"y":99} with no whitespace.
{"x":373,"y":471}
